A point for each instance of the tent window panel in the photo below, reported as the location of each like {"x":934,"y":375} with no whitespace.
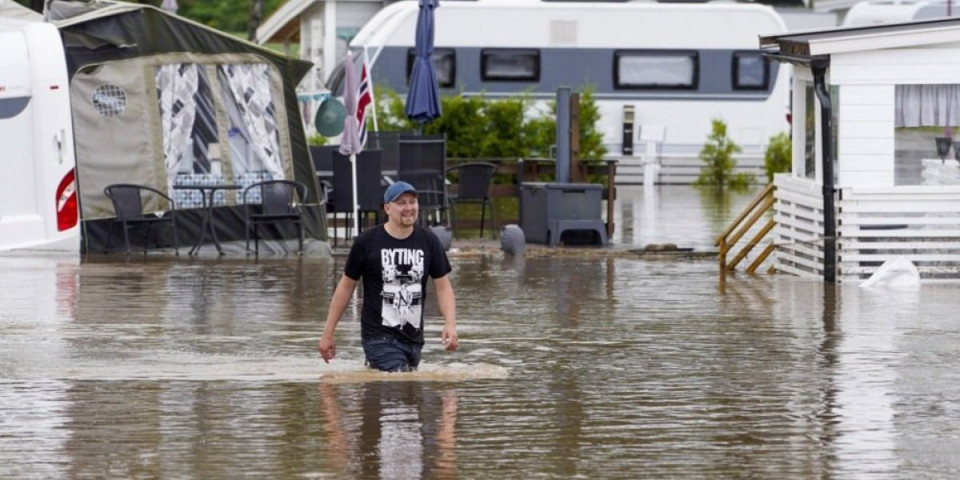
{"x":659,"y":69}
{"x":254,"y":137}
{"x":191,"y":142}
{"x":444,"y":62}
{"x":510,"y":65}
{"x":191,"y":139}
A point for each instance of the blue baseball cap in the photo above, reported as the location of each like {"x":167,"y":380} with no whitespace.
{"x":395,"y":190}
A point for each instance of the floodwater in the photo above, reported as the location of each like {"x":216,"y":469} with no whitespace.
{"x":681,"y":215}
{"x":569,"y":367}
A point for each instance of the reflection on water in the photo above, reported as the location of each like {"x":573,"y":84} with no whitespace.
{"x":682,"y":215}
{"x":569,"y":367}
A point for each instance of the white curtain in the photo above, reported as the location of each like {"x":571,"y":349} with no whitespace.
{"x":927,"y":105}
{"x":176,"y":85}
{"x":249,"y":86}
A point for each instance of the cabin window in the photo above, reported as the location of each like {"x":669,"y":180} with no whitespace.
{"x":444,"y":62}
{"x":926,"y":127}
{"x":510,"y":65}
{"x":835,"y":129}
{"x":656,"y":69}
{"x":810,"y":132}
{"x":750,"y":71}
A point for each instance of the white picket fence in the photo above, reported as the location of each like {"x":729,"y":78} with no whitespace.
{"x":798,"y":233}
{"x":920,"y":223}
{"x":680,"y":168}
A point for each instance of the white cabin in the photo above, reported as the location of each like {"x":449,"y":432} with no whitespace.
{"x":890,"y":91}
{"x":38,"y":194}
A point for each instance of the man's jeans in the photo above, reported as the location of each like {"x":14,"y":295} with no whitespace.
{"x":391,"y":354}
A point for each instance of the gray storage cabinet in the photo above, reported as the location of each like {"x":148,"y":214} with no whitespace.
{"x":547,"y":210}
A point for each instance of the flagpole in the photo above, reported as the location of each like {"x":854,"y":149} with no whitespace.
{"x":373,"y":98}
{"x":356,"y":204}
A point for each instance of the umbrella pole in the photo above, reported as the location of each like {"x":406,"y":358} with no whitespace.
{"x":356,"y":206}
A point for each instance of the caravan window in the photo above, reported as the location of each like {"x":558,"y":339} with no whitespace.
{"x":11,"y":107}
{"x":510,"y":65}
{"x":750,"y":71}
{"x":444,"y":62}
{"x":656,"y":69}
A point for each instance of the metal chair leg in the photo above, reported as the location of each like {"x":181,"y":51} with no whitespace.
{"x":483,"y":213}
{"x":176,"y":238}
{"x":126,"y":237}
{"x":106,"y":246}
{"x":256,"y":241}
{"x":493,"y":218}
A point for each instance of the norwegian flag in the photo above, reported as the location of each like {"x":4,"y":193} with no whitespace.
{"x":364,"y":98}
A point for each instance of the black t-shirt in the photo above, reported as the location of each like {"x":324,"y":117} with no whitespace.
{"x":394,"y":276}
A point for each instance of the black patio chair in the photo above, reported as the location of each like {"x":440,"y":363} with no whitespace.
{"x":322,"y":156}
{"x":423,"y":164}
{"x":279,"y":202}
{"x":128,"y":202}
{"x":389,"y":142}
{"x":474,"y":180}
{"x":369,"y":188}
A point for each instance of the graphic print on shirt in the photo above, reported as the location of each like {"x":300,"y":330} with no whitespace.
{"x":402,"y":294}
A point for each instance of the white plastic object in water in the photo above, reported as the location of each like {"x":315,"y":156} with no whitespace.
{"x":898,"y":272}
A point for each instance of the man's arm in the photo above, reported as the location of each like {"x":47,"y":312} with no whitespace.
{"x":341,"y":297}
{"x":448,"y":307}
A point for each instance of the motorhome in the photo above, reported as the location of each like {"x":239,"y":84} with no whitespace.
{"x":667,"y":67}
{"x":38,"y":194}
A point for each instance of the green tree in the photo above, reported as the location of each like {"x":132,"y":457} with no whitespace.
{"x":777,"y":157}
{"x":717,"y":154}
{"x":226,"y":15}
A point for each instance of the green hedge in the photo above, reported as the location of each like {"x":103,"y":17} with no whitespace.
{"x":477,"y":127}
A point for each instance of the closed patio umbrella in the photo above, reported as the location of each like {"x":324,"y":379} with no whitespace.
{"x":350,"y":140}
{"x":423,"y":98}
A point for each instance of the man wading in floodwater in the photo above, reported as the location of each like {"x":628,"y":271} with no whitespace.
{"x":394,"y":260}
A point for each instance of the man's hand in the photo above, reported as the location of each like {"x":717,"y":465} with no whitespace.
{"x":449,"y":338}
{"x":327,"y":348}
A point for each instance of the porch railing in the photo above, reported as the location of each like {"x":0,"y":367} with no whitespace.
{"x":729,"y":241}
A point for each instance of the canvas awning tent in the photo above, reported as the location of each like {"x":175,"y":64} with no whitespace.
{"x":162,"y":101}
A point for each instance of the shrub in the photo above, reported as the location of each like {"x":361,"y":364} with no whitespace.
{"x":477,"y":127}
{"x":316,"y":139}
{"x":777,"y":158}
{"x":717,"y":153}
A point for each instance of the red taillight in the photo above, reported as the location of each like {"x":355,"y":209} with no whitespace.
{"x":67,"y":212}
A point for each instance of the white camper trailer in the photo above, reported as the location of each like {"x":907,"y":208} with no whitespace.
{"x":38,"y":195}
{"x":671,"y":66}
